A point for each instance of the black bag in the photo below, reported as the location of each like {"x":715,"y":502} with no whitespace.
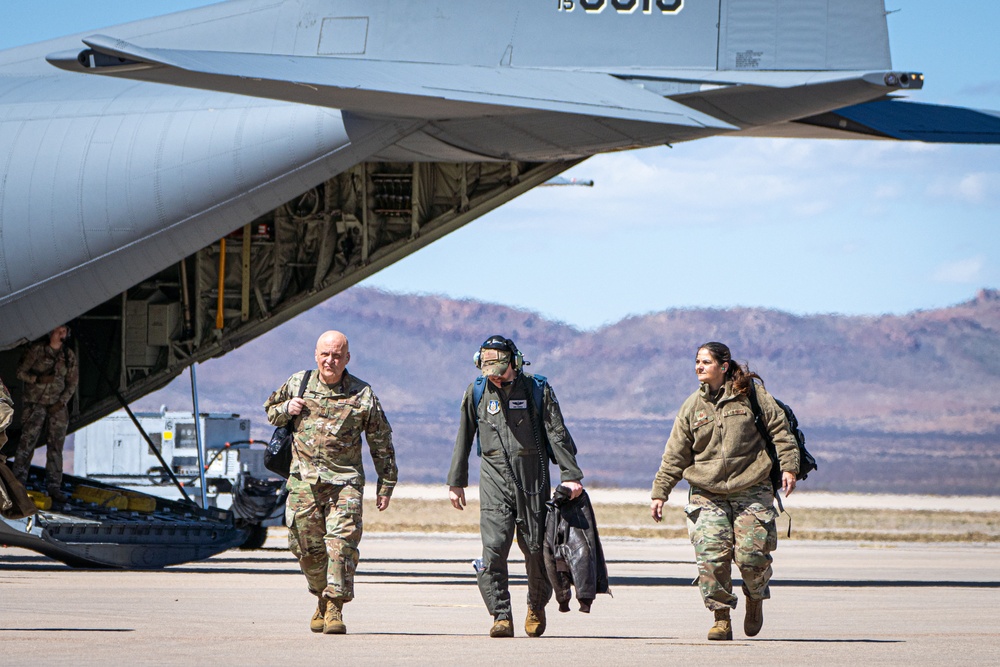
{"x":806,"y":461}
{"x":278,"y":453}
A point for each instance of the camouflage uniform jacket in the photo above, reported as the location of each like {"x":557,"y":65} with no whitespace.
{"x":327,"y":442}
{"x":716,"y":446}
{"x":6,"y":412}
{"x":40,"y":360}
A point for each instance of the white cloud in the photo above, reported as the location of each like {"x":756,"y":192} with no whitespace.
{"x":726,"y":184}
{"x":732,"y":181}
{"x":977,"y":187}
{"x":962,"y":271}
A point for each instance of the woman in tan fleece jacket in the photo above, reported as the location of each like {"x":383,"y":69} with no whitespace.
{"x":716,"y":447}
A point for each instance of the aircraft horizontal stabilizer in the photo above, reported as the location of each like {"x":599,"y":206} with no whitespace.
{"x":912,"y":121}
{"x":400,"y":89}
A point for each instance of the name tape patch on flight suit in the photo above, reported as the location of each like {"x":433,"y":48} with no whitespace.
{"x":518,"y":405}
{"x":493,"y":406}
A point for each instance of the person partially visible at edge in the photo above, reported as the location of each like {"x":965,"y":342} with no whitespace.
{"x":513,"y":477}
{"x":50,"y":374}
{"x":326,"y":484}
{"x":14,"y":502}
{"x":6,"y":415}
{"x":716,"y":447}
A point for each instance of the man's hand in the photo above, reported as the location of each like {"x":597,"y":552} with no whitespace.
{"x":788,"y":483}
{"x":382,"y":502}
{"x":457,"y":496}
{"x":54,"y":409}
{"x":574,"y":486}
{"x":48,"y":378}
{"x":295,"y":406}
{"x":656,"y":509}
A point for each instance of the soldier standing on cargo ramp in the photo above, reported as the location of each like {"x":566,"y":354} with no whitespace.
{"x":326,"y":484}
{"x":513,"y":477}
{"x":50,"y":374}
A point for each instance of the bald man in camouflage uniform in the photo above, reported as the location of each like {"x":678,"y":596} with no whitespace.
{"x":50,"y":374}
{"x":325,"y":488}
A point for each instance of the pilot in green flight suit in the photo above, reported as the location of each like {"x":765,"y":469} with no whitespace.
{"x":514,"y":477}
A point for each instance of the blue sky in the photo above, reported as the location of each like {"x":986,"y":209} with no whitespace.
{"x":802,"y":226}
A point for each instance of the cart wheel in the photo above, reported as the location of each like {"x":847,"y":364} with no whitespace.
{"x":256,"y":538}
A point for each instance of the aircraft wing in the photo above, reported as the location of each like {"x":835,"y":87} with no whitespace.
{"x":764,"y":104}
{"x":387,"y":88}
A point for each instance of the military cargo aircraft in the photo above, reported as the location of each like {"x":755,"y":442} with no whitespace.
{"x":177,"y":186}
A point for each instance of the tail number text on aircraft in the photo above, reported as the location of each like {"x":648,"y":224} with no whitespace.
{"x":622,"y":6}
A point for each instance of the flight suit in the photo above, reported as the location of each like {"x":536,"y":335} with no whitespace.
{"x":513,"y":482}
{"x":327,"y":480}
{"x":50,"y":379}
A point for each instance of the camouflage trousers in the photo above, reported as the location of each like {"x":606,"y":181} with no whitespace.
{"x":723,"y":528}
{"x":324,"y":530}
{"x":34,"y":420}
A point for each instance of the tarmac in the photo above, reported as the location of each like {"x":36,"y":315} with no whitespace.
{"x":832,"y":603}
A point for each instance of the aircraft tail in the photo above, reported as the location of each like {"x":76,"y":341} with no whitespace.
{"x":803,"y":35}
{"x":601,"y":35}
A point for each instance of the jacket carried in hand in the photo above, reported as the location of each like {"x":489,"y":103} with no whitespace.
{"x":573,"y":554}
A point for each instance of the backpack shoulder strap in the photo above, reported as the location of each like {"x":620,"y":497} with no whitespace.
{"x":769,"y":447}
{"x":538,"y":383}
{"x":758,"y":419}
{"x":305,"y":382}
{"x":302,"y":390}
{"x":478,"y":389}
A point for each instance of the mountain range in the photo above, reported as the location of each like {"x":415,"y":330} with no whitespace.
{"x":889,"y":404}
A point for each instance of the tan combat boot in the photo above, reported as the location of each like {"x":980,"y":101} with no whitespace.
{"x":333,"y":619}
{"x":754,"y":619}
{"x":723,"y":628}
{"x":534,"y":623}
{"x":316,"y":624}
{"x":502,"y":627}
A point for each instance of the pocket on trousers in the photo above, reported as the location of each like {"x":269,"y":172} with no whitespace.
{"x":766,"y":517}
{"x":352,"y":506}
{"x":692,"y":512}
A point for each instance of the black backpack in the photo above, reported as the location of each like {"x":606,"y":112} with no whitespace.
{"x":806,"y":461}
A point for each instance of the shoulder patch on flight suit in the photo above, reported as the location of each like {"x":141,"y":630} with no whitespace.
{"x":493,"y":407}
